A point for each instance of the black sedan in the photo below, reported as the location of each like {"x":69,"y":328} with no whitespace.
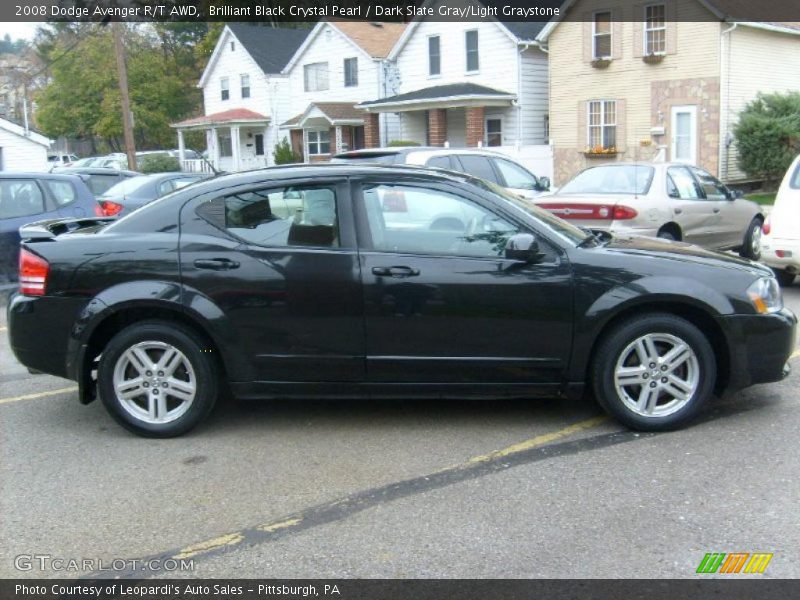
{"x":369,"y":281}
{"x":130,"y":194}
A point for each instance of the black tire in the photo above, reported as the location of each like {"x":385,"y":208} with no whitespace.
{"x":667,"y":235}
{"x":784,"y":277}
{"x":753,"y":233}
{"x":203,"y":368}
{"x":617,"y":342}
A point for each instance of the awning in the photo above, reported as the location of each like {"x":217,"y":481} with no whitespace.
{"x":234,"y":116}
{"x":453,"y":95}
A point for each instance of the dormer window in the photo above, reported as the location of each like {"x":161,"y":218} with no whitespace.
{"x":224,"y":88}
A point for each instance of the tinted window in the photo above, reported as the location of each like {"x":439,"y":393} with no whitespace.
{"x":440,"y":162}
{"x":611,"y":179}
{"x":514,"y":175}
{"x":165,"y":187}
{"x":99,"y":184}
{"x":20,"y":198}
{"x":476,"y":165}
{"x":681,"y":184}
{"x":61,"y":191}
{"x":416,"y":220}
{"x":712,"y":187}
{"x":292,"y":216}
{"x":127,"y":187}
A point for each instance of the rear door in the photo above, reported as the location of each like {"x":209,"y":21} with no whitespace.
{"x":697,"y":217}
{"x":280,"y":261}
{"x":477,"y":166}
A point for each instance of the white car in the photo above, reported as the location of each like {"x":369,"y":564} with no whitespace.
{"x":780,"y":242}
{"x":490,"y":166}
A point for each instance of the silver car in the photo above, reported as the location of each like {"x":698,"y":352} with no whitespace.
{"x":666,"y":200}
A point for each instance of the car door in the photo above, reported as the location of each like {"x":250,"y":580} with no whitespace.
{"x":516,"y":178}
{"x":731,"y":224}
{"x":441,"y":302}
{"x":280,"y":262}
{"x":696,"y":216}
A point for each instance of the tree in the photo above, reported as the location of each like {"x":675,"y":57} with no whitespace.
{"x":283,"y":153}
{"x":768,"y":135}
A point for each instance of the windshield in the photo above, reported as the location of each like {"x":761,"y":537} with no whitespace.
{"x":560,"y":226}
{"x":611,"y":179}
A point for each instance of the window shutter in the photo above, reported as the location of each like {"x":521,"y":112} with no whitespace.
{"x":622,"y":129}
{"x":638,"y":30}
{"x":671,"y":22}
{"x":587,"y":37}
{"x":582,"y":125}
{"x":616,"y":35}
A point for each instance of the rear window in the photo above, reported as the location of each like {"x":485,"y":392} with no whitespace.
{"x":100,"y":184}
{"x":611,"y":179}
{"x":126,"y":187}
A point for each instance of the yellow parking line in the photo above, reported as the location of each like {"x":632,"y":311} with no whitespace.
{"x":38,"y":395}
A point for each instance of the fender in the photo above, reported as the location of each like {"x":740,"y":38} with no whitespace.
{"x":654,"y":290}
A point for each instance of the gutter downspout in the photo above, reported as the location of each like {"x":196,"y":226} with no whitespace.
{"x":523,"y":48}
{"x":724,"y":117}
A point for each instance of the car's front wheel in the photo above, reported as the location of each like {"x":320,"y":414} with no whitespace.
{"x":751,"y":245}
{"x":157,"y":379}
{"x":654,"y":372}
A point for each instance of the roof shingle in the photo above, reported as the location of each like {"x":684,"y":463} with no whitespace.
{"x":270,"y":47}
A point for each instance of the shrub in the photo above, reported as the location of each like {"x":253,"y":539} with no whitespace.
{"x":768,"y":135}
{"x":400,"y":143}
{"x":158,"y":163}
{"x":284,"y":154}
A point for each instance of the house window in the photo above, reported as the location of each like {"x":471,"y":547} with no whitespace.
{"x":602,"y":124}
{"x":601,"y":35}
{"x":547,"y":129}
{"x":434,"y":56}
{"x":494,"y":131}
{"x":316,"y":77}
{"x":224,"y":88}
{"x":319,"y":142}
{"x":471,"y":44}
{"x":350,"y":72}
{"x":245,"y":81}
{"x":655,"y":29}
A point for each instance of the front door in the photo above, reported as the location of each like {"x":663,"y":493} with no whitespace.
{"x":441,"y":302}
{"x":696,"y":215}
{"x":684,"y":134}
{"x":281,"y":265}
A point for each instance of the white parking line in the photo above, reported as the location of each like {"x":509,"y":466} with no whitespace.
{"x":38,"y":395}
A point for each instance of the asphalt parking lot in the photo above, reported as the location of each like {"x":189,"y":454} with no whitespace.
{"x":314,"y":489}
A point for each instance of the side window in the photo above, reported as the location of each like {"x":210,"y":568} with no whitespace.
{"x":290,"y":216}
{"x":62,"y":192}
{"x":515,"y":176}
{"x":415,"y":220}
{"x":440,"y":162}
{"x":165,"y":187}
{"x":681,"y":184}
{"x":712,"y":187}
{"x":477,"y":165}
{"x":20,"y":198}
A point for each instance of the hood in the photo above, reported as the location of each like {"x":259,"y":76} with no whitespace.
{"x":682,"y":252}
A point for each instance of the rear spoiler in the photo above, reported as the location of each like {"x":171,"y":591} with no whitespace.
{"x":48,"y":230}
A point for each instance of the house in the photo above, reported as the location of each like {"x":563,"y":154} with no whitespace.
{"x":245,"y":96}
{"x":340,"y":64}
{"x":467,"y":83}
{"x":22,"y":148}
{"x":660,"y":80}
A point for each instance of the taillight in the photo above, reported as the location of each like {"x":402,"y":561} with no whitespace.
{"x":33,"y":271}
{"x":108,"y":208}
{"x":590,"y":212}
{"x":767,"y":226}
{"x":622,"y":212}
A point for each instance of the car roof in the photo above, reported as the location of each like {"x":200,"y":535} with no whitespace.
{"x":96,"y":171}
{"x":54,"y":176}
{"x":431,"y":150}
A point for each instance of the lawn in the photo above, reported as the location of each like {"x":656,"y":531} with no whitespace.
{"x":766,"y":199}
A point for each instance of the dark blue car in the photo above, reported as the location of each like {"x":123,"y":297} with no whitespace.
{"x":28,"y":197}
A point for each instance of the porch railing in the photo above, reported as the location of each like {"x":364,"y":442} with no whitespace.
{"x":196,"y":165}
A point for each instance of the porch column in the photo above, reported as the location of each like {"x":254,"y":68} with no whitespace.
{"x":372,"y":130}
{"x":214,"y":148}
{"x":338,"y":135}
{"x":235,"y":149}
{"x":267,"y":148}
{"x":437,"y":127}
{"x":475,"y":126}
{"x":181,"y":148}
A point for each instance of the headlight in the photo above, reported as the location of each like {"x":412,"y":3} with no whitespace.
{"x":765,"y":294}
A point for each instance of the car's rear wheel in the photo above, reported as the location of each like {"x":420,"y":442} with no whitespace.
{"x":667,"y":234}
{"x":785,"y":278}
{"x":751,"y":246}
{"x":156,"y":380}
{"x":654,"y":372}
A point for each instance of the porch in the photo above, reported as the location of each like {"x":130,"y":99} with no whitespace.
{"x":236,"y":141}
{"x":325,"y":129}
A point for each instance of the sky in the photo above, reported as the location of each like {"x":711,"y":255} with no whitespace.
{"x":25,"y":31}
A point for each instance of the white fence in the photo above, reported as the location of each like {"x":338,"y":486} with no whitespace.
{"x":538,"y":159}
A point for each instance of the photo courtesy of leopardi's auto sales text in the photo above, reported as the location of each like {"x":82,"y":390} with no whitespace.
{"x":399,"y":299}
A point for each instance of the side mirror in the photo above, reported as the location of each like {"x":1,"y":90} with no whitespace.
{"x":544,"y":184}
{"x":735,"y":194}
{"x":523,"y":247}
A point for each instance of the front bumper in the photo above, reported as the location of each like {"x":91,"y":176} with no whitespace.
{"x":760,"y":347}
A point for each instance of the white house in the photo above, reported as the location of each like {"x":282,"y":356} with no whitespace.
{"x":481,"y":83}
{"x":21,"y":148}
{"x":245,"y":96}
{"x":340,"y":64}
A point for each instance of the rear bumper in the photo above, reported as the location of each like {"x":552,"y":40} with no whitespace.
{"x":770,"y":245}
{"x":760,"y":347}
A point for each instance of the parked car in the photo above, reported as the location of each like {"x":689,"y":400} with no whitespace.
{"x":667,"y":200}
{"x":491,"y":166}
{"x":132,"y":193}
{"x":299,"y":281}
{"x":781,"y":241}
{"x":26,"y":197}
{"x":61,"y":160}
{"x":98,"y":179}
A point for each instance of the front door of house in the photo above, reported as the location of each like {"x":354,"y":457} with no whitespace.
{"x":684,"y":134}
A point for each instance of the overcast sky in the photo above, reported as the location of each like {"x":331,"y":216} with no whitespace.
{"x":25,"y":31}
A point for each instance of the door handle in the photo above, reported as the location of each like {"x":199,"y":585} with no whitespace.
{"x":678,"y":211}
{"x":716,"y":210}
{"x":395,"y":271}
{"x":216,"y":264}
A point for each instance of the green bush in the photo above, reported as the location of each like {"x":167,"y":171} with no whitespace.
{"x":768,"y":135}
{"x":158,"y":163}
{"x":284,"y":154}
{"x":401,"y":143}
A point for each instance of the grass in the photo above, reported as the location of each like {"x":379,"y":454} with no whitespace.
{"x":765,"y":199}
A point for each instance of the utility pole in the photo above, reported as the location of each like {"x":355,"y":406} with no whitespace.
{"x":122,"y":72}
